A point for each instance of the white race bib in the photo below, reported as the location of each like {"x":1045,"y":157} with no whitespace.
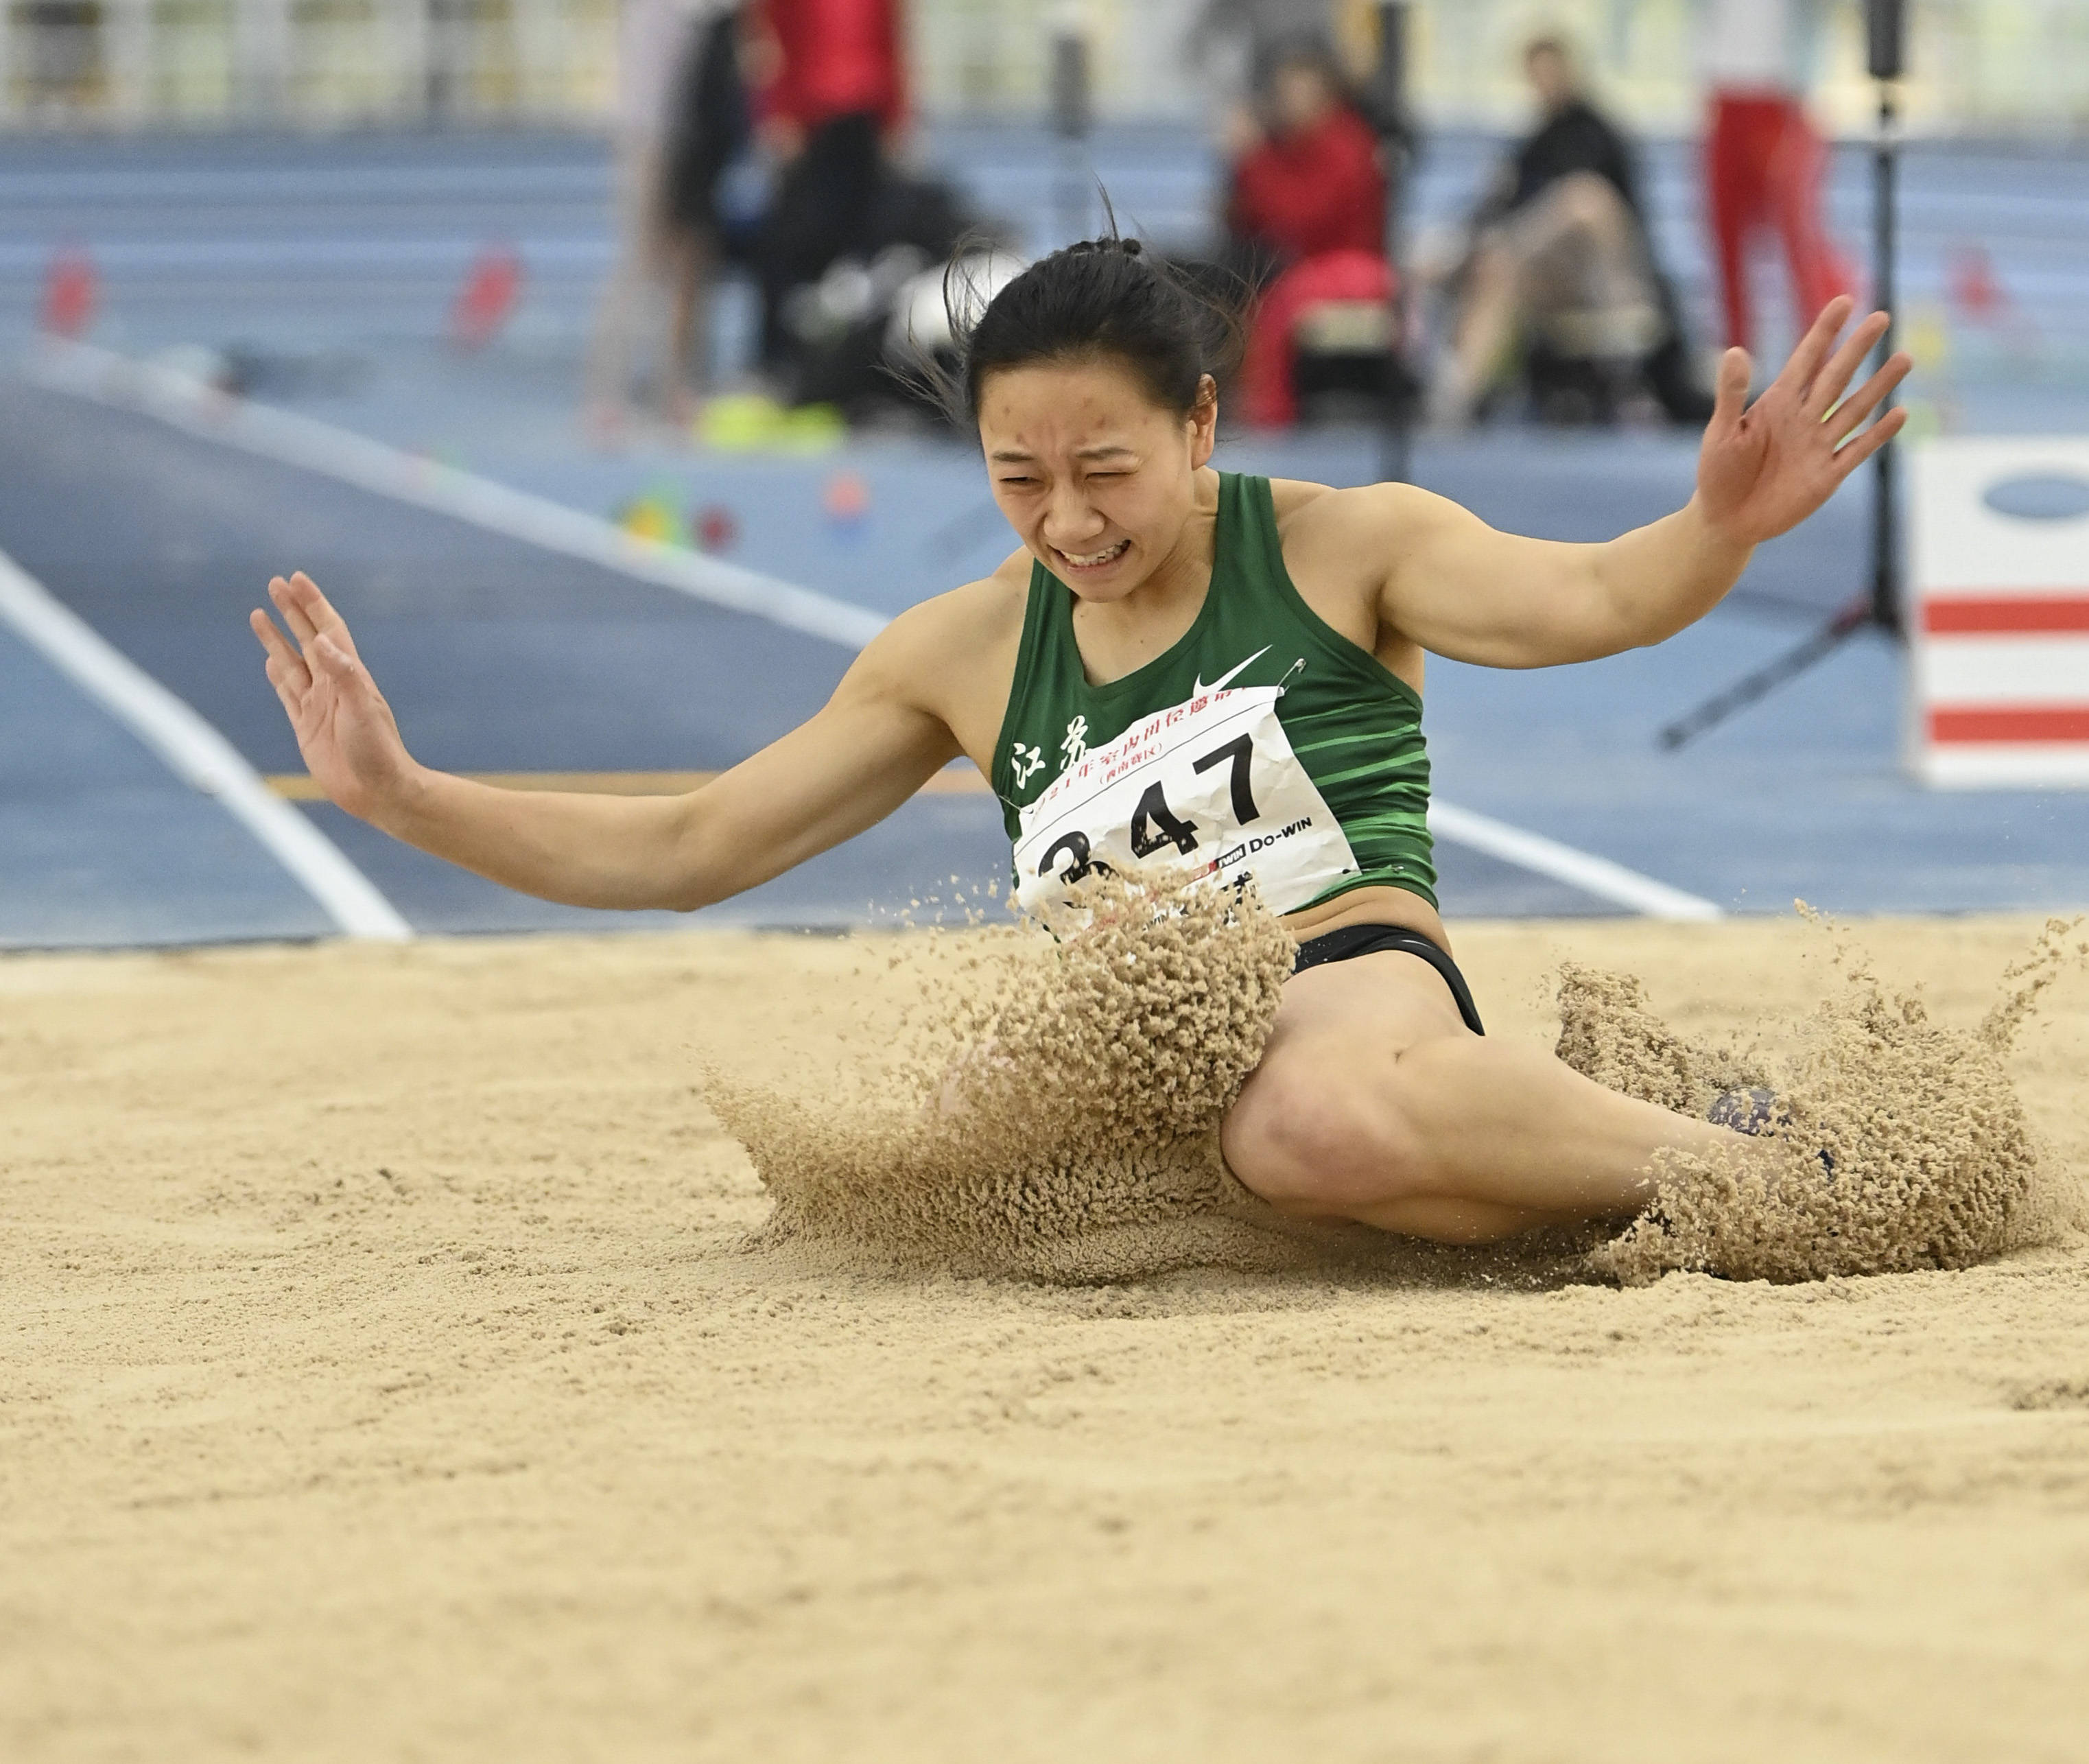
{"x":1210,"y":786}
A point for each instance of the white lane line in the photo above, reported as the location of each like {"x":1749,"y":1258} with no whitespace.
{"x":195,"y":753}
{"x":185,"y":403}
{"x":1597,"y":876}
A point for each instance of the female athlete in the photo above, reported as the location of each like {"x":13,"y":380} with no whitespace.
{"x":1186,"y":665}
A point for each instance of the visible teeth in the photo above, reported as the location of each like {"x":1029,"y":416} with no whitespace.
{"x":1096,"y":557}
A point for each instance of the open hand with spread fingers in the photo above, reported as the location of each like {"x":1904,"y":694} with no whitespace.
{"x":345,"y":729}
{"x":1765,"y":467}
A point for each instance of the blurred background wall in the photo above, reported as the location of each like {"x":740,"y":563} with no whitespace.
{"x":1981,"y":67}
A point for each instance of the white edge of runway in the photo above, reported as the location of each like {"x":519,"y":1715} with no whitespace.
{"x":1593,"y":875}
{"x":184,"y":402}
{"x":196,"y":754}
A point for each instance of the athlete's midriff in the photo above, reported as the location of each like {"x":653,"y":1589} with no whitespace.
{"x":1371,"y":906}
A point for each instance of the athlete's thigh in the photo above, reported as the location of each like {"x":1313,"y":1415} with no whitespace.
{"x":1345,"y":1024}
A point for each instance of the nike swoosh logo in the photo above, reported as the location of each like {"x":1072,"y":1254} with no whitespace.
{"x":1220,"y":684}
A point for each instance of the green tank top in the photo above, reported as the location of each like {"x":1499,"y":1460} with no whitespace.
{"x":1263,"y":744}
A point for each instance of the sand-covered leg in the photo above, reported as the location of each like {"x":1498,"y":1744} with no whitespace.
{"x":1374,"y":1102}
{"x":1904,"y":1143}
{"x":1607,"y":1033}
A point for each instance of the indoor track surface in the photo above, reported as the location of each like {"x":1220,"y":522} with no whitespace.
{"x":499,"y":656}
{"x":502,"y":658}
{"x":331,"y":263}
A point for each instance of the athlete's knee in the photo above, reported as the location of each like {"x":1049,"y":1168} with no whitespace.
{"x":1594,"y":198}
{"x":1308,"y":1145}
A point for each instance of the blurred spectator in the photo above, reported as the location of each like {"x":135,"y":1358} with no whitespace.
{"x":1309,"y":182}
{"x":1557,"y":256}
{"x":709,"y":131}
{"x":654,"y":41}
{"x":833,"y":103}
{"x":1237,"y":46}
{"x":1763,"y":162}
{"x":1306,"y":213}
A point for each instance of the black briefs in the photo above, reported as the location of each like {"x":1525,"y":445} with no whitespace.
{"x":1353,"y":940}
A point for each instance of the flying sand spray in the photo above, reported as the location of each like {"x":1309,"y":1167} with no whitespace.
{"x":1051,"y":1110}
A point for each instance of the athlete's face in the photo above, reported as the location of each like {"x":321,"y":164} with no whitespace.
{"x":1099,"y":480}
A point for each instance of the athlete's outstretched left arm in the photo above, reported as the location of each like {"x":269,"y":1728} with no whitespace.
{"x":1459,"y":588}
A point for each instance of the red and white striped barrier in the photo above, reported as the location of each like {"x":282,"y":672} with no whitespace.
{"x":1999,"y":623}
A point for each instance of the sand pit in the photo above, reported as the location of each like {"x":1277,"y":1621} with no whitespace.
{"x":384,"y":1377}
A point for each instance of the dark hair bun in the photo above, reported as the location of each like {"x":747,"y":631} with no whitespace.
{"x":1101,"y":298}
{"x":1130,"y":248}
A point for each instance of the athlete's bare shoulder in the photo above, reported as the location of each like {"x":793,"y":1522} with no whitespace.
{"x":1358,"y":531}
{"x":967,"y":616}
{"x":1293,"y":495}
{"x":1340,"y":547}
{"x":1317,"y":509}
{"x":953,"y":654}
{"x":967,"y":623}
{"x":1311,"y":515}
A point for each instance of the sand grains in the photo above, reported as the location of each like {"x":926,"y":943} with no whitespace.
{"x":1908,"y":1146}
{"x":1051,"y":1110}
{"x":1054,"y":1113}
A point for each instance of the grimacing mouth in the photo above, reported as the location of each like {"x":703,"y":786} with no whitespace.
{"x":1092,"y":560}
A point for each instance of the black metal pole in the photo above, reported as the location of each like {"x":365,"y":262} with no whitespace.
{"x":1761,"y":682}
{"x":1071,"y":118}
{"x":1885,"y":23}
{"x":1885,"y":543}
{"x":1396,"y":146}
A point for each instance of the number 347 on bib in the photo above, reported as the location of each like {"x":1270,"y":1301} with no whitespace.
{"x":1210,"y":785}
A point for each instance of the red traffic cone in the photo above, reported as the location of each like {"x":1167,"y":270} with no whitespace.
{"x":72,"y":289}
{"x":491,"y":288}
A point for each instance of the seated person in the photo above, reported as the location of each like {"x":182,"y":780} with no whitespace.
{"x":1305,"y":214}
{"x":1558,"y":253}
{"x":1306,"y":177}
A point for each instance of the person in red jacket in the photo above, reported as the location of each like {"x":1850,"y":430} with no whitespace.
{"x":1306,"y":211}
{"x":1311,"y":183}
{"x":831,"y":59}
{"x":1764,"y":164}
{"x":834,"y":105}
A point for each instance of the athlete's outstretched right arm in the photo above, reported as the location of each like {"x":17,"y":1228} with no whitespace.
{"x":867,"y":750}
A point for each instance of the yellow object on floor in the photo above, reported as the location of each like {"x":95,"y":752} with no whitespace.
{"x":753,"y":422}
